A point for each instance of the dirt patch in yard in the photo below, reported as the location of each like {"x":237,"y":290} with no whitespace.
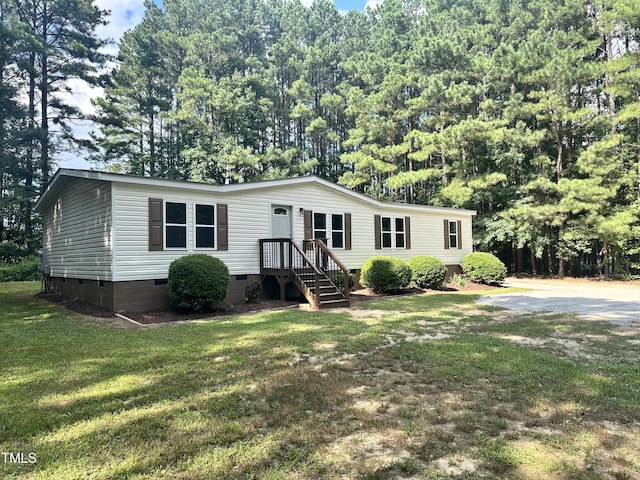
{"x":439,"y":421}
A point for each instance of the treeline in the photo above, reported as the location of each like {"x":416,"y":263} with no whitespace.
{"x":46,"y":48}
{"x":527,"y":111}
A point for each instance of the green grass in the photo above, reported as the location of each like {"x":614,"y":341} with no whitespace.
{"x":427,"y":386}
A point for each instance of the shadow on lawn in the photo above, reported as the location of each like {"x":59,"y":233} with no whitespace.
{"x":256,"y":396}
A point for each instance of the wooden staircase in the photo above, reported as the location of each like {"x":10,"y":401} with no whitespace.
{"x":314,"y":269}
{"x":327,"y":294}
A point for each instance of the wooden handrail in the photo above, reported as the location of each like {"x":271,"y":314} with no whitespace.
{"x":291,"y":241}
{"x":326,"y":249}
{"x":304,"y":256}
{"x":312,"y":295}
{"x":274,"y":260}
{"x":320,"y":245}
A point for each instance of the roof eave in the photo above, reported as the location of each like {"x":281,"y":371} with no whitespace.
{"x":130,"y":179}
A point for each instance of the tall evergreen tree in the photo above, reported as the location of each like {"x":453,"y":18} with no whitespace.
{"x":62,"y":47}
{"x":495,"y":105}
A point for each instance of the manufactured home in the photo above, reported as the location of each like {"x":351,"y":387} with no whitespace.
{"x":109,"y":239}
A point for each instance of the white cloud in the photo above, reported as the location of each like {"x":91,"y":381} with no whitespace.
{"x":372,"y":4}
{"x":125,"y":14}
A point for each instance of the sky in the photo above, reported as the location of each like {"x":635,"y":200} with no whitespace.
{"x":125,"y":14}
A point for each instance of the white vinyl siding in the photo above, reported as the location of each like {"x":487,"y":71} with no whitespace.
{"x":77,"y":231}
{"x":249,"y":219}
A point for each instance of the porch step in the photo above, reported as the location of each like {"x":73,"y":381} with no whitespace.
{"x":328,"y":295}
{"x":304,"y":270}
{"x":322,"y":288}
{"x":334,"y":303}
{"x":331,"y":296}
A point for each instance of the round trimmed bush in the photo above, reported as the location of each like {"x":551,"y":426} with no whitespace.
{"x":196,"y":281}
{"x":385,"y":274}
{"x":483,"y":267}
{"x":427,"y":272}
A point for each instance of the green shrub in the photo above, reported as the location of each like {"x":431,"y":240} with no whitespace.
{"x":26,"y":269}
{"x":339,"y":281}
{"x":427,"y":272}
{"x":252,"y":291}
{"x":12,"y":252}
{"x":385,"y":274}
{"x":459,"y":280}
{"x":483,"y":267}
{"x":196,"y":281}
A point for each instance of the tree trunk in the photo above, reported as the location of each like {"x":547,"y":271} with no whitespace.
{"x":611,"y":100}
{"x":606,"y":258}
{"x":520,"y":260}
{"x":2,"y":177}
{"x":445,"y":181}
{"x":152,"y":145}
{"x":30,"y":150}
{"x":534,"y":268}
{"x":44,"y":121}
{"x":559,"y":148}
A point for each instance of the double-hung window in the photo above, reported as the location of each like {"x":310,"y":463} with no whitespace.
{"x":400,"y":236}
{"x":320,"y":225}
{"x":205,"y":226}
{"x":337,"y":230}
{"x":387,"y":235}
{"x":329,"y":228}
{"x":393,"y":232}
{"x":453,"y":234}
{"x":175,"y":225}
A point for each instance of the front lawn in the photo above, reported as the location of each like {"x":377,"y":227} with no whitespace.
{"x":428,"y":386}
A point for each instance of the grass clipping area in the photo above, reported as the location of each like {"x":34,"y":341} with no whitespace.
{"x":426,"y":386}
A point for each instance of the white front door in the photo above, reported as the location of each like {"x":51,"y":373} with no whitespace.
{"x":281,"y":228}
{"x":280,"y":221}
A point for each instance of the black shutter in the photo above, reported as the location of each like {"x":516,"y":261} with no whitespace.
{"x":347,"y":231}
{"x":222,"y":227}
{"x":308,"y":225}
{"x":407,"y":233}
{"x":446,"y":234}
{"x":156,"y":238}
{"x":459,"y":231}
{"x":377,"y":231}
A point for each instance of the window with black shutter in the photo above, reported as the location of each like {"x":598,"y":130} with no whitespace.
{"x":175,"y":225}
{"x":205,"y":226}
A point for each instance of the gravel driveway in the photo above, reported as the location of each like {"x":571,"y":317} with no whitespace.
{"x":614,"y":303}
